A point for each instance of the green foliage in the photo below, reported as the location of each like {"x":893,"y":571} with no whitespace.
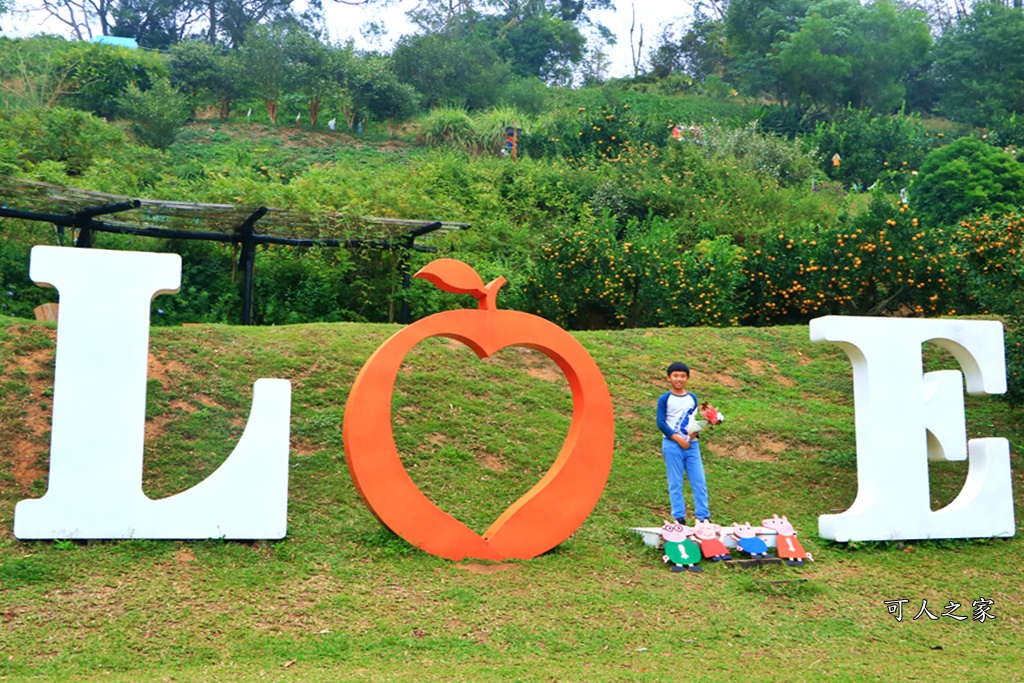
{"x":32,"y":72}
{"x":966,"y":178}
{"x":991,"y":249}
{"x":599,"y":276}
{"x":100,"y":75}
{"x":872,"y":148}
{"x":377,"y":92}
{"x":306,"y":284}
{"x":882,"y":262}
{"x":69,"y":136}
{"x":311,"y":71}
{"x":577,"y":124}
{"x":156,"y":114}
{"x":978,"y":65}
{"x":771,"y":156}
{"x":198,"y":69}
{"x":541,"y":45}
{"x":1007,"y":132}
{"x":492,"y":126}
{"x":827,"y":54}
{"x":449,"y":126}
{"x":263,"y":62}
{"x":18,"y":294}
{"x":211,"y":289}
{"x":452,"y":69}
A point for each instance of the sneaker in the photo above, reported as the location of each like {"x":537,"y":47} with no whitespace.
{"x":681,"y":520}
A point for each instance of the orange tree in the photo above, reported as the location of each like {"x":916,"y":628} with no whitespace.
{"x":600,"y":276}
{"x":990,"y":248}
{"x":883,"y":262}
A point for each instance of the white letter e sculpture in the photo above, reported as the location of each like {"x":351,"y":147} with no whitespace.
{"x":905,"y":417}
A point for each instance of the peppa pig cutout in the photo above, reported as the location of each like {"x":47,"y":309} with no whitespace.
{"x":709,"y":537}
{"x":786,"y":543}
{"x":679,"y":549}
{"x":747,"y":540}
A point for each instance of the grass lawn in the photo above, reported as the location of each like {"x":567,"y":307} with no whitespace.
{"x":342,"y":598}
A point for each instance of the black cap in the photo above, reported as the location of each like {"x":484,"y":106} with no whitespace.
{"x":678,"y":367}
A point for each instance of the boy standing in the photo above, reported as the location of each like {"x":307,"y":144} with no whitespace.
{"x":676,"y":409}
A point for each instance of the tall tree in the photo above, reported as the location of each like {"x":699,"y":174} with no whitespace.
{"x":979,"y":65}
{"x":540,"y":38}
{"x":155,"y":24}
{"x":461,"y":68}
{"x":837,"y":53}
{"x":263,"y":59}
{"x":698,"y":52}
{"x":204,"y":73}
{"x":310,"y":70}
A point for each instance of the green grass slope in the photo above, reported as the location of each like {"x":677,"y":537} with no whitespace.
{"x":341,"y":598}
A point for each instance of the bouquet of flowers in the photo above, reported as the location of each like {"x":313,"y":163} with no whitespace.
{"x":712,"y":416}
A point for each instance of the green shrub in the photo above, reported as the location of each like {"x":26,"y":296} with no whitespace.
{"x":595,"y":276}
{"x":100,"y":75}
{"x":71,"y":137}
{"x":965,"y":178}
{"x":156,"y":114}
{"x":882,"y":262}
{"x":449,"y":127}
{"x":491,"y":127}
{"x":18,"y":294}
{"x":211,"y":289}
{"x":872,"y":148}
{"x":784,"y":160}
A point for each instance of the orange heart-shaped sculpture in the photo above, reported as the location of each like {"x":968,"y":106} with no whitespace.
{"x":550,"y":511}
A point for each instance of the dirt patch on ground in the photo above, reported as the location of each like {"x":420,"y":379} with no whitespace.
{"x":33,"y":362}
{"x":780,"y":378}
{"x":481,"y":568}
{"x":206,"y":401}
{"x":765,"y":450}
{"x":490,"y":461}
{"x":185,"y":556}
{"x":756,"y":367}
{"x":25,"y":468}
{"x":540,"y":366}
{"x":160,"y":369}
{"x":28,"y":448}
{"x":304,"y":447}
{"x":721,"y":379}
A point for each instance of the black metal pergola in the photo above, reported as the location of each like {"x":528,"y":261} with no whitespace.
{"x":80,"y":210}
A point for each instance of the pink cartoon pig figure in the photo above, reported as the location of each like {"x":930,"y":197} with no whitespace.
{"x":747,"y":540}
{"x":787,"y":545}
{"x":709,"y":537}
{"x":679,"y":549}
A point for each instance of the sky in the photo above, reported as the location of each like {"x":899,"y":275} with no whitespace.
{"x":345,"y":21}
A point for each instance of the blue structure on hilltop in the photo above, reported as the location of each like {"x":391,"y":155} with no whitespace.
{"x":117,"y":40}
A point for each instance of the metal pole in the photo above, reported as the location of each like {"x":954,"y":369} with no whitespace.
{"x":245,"y":234}
{"x":406,"y":280}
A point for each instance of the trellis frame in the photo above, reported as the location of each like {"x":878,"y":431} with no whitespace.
{"x":232,"y":225}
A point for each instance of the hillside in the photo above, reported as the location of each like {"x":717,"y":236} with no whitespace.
{"x":341,"y":598}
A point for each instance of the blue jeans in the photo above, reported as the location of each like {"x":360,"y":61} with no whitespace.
{"x":680,"y":463}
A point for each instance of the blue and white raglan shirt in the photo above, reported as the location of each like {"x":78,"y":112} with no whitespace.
{"x":675,"y":413}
